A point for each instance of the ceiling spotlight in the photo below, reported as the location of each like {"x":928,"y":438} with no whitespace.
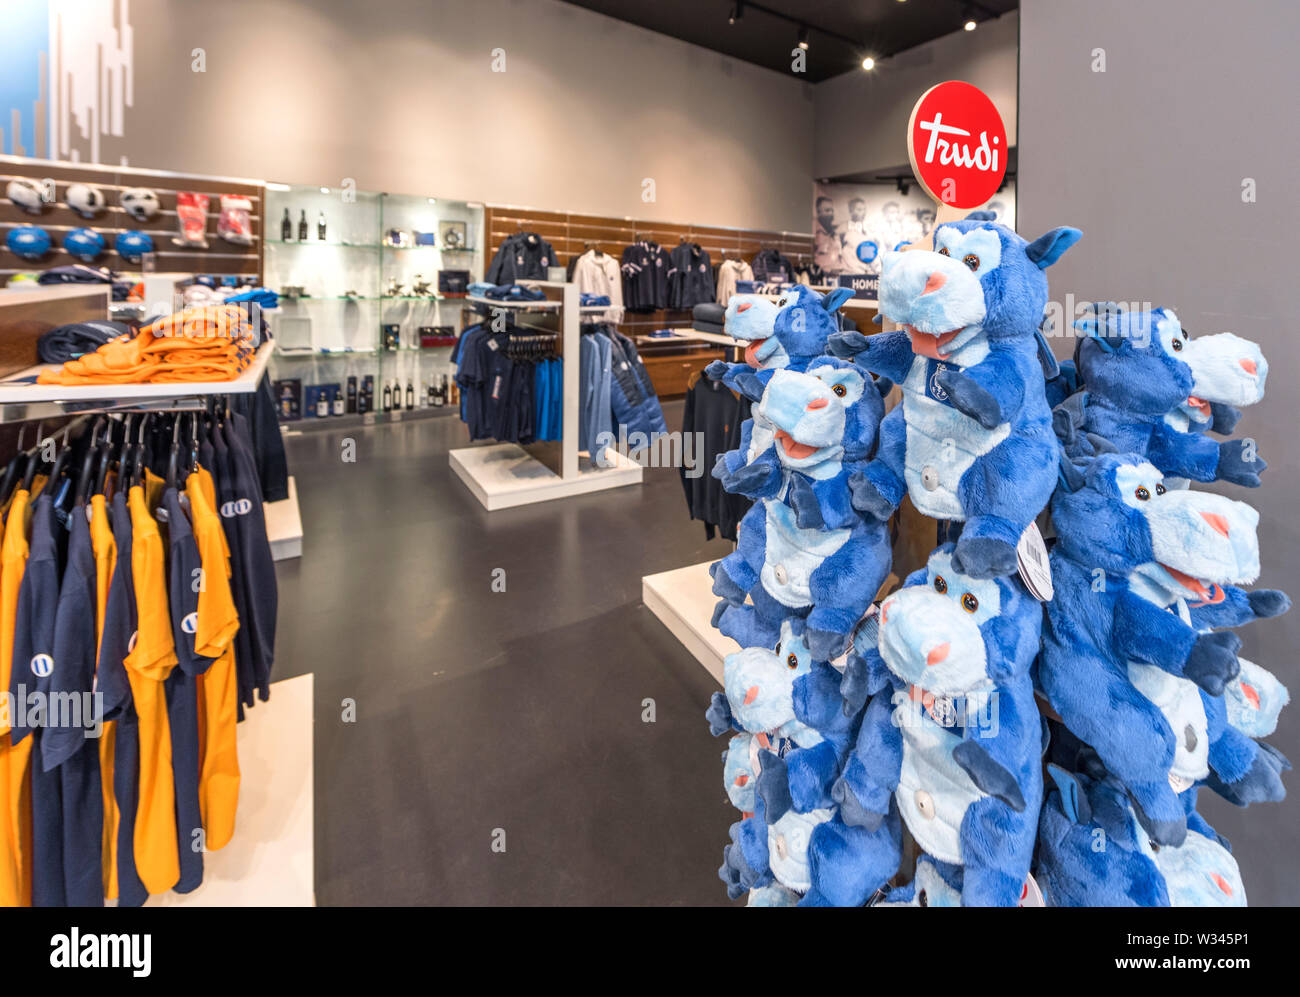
{"x":803,"y":38}
{"x":737,"y":12}
{"x":868,"y":63}
{"x":968,"y":15}
{"x":324,"y":190}
{"x":433,"y":200}
{"x":970,"y":24}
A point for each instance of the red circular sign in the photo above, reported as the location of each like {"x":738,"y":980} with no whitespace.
{"x":957,"y":144}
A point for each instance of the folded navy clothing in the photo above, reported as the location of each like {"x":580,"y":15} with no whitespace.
{"x":76,"y":273}
{"x":593,"y":300}
{"x":514,"y":292}
{"x":708,"y":311}
{"x":67,"y":342}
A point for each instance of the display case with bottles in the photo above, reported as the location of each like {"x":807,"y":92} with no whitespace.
{"x":363,"y":328}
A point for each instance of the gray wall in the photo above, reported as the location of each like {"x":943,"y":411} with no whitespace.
{"x":1148,"y":159}
{"x":399,"y":94}
{"x":862,"y":117}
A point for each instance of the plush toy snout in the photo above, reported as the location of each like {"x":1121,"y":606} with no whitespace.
{"x":807,"y":414}
{"x":1205,"y":537}
{"x":928,"y":640}
{"x":931,"y":293}
{"x":759,"y":687}
{"x":1226,"y":369}
{"x":750,"y":317}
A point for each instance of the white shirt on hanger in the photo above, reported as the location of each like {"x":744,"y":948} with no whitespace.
{"x":729,"y":272}
{"x":599,"y":273}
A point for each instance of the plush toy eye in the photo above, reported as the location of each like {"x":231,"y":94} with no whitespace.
{"x":944,"y":251}
{"x":940,"y":585}
{"x":1142,"y":493}
{"x":1177,"y":344}
{"x":1160,"y":489}
{"x":792,"y":662}
{"x":971,"y":260}
{"x":922,"y":899}
{"x":781,"y":303}
{"x":778,"y":650}
{"x":1154,"y":847}
{"x":969,"y":603}
{"x":839,"y":389}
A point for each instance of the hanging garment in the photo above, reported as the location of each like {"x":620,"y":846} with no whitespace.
{"x":15,"y":756}
{"x":113,"y":683}
{"x":729,"y":273}
{"x":522,"y":256}
{"x":104,"y":548}
{"x":712,"y":420}
{"x":692,"y":276}
{"x":216,"y":623}
{"x":595,"y":418}
{"x":633,"y":400}
{"x":771,"y":266}
{"x":67,"y":748}
{"x":645,"y":267}
{"x":33,"y":661}
{"x":185,"y":576}
{"x":596,"y":272}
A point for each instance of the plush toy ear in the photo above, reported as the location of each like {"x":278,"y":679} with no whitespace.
{"x":1074,"y":801}
{"x":837,"y":297}
{"x":1050,"y":247}
{"x":884,"y":385}
{"x":1069,"y":476}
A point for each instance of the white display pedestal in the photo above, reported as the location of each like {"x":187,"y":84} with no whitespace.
{"x":270,"y":861}
{"x":683,"y":600}
{"x":284,"y":525}
{"x":505,"y":475}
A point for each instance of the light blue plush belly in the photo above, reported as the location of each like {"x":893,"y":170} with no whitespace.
{"x":1179,"y":701}
{"x":792,"y":555}
{"x":942,"y":444}
{"x":934,"y":792}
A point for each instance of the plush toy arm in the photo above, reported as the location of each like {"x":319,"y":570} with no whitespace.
{"x":1223,"y":418}
{"x":758,"y":479}
{"x":866,"y":788}
{"x":993,"y":734}
{"x":1195,"y":456}
{"x":991,"y":392}
{"x":886,"y":353}
{"x":719,"y":715}
{"x":1147,"y":633}
{"x":733,"y":375}
{"x":1239,"y":606}
{"x":1261,"y":783}
{"x":997,"y":847}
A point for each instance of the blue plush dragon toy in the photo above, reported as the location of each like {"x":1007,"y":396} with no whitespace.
{"x":1129,"y":662}
{"x":972,"y":441}
{"x":1128,"y":869}
{"x":828,"y":572}
{"x":957,"y":749}
{"x":1150,"y":389}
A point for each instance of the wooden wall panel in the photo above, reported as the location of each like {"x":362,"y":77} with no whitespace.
{"x":58,"y":219}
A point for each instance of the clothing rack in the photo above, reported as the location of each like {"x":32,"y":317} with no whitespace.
{"x":507,"y":474}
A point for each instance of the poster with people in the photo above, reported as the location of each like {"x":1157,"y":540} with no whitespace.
{"x":854,"y":223}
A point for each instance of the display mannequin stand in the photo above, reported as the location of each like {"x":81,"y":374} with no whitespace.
{"x":507,"y":474}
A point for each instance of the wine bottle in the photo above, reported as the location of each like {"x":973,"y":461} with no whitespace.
{"x":320,"y":227}
{"x":352,"y":395}
{"x":340,"y":404}
{"x":397,"y":395}
{"x":429,"y":392}
{"x":410,"y":394}
{"x":302,"y":226}
{"x":388,"y":397}
{"x":322,"y":403}
{"x":286,"y":227}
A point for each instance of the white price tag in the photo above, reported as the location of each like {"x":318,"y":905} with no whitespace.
{"x":1035,"y":569}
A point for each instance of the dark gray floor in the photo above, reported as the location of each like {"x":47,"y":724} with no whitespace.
{"x":479,"y":710}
